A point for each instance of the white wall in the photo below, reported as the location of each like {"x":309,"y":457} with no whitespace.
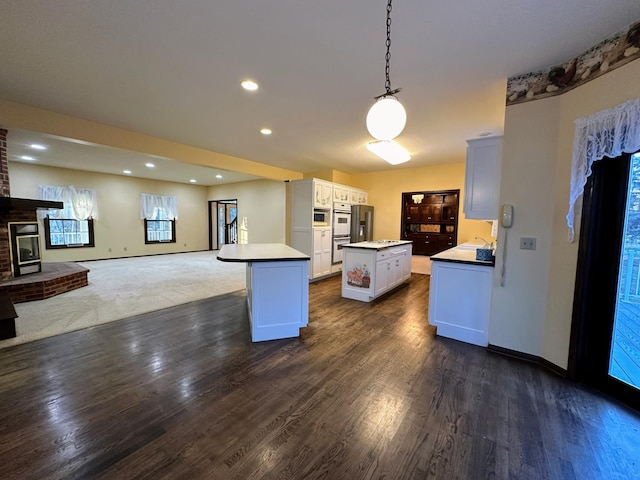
{"x":119,"y":231}
{"x":532,"y":312}
{"x":263,"y":202}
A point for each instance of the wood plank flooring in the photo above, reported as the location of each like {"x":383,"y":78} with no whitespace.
{"x":367,"y":392}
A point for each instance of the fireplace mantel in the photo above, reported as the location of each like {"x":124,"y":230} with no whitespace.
{"x":13,"y":203}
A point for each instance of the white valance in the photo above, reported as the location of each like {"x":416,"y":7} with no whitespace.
{"x":153,"y":206}
{"x":609,"y":133}
{"x":79,"y":203}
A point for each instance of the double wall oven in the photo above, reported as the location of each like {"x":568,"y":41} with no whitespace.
{"x":341,"y":229}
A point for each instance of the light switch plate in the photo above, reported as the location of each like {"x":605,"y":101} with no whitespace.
{"x":527,"y":243}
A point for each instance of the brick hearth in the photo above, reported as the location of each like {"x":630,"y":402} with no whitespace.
{"x":55,"y":278}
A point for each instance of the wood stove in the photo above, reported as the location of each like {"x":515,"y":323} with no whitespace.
{"x":24,"y":241}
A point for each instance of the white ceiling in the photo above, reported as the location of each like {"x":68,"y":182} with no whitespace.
{"x":173,"y":69}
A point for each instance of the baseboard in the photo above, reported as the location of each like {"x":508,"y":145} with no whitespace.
{"x":543,"y":362}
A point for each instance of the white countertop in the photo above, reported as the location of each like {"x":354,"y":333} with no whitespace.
{"x":259,"y":252}
{"x":464,"y":253}
{"x":377,"y":244}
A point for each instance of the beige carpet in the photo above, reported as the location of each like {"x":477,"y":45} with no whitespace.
{"x":126,"y":287}
{"x":121,"y":288}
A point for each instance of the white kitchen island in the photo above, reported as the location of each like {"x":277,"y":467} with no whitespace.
{"x":277,"y":288}
{"x":460,"y":295}
{"x":373,"y":268}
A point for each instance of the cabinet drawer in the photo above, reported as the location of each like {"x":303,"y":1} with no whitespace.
{"x":382,"y":254}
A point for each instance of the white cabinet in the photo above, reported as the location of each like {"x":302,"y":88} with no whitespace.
{"x":321,"y":264}
{"x":368,"y":273}
{"x":341,"y":193}
{"x":482,"y":178}
{"x":460,"y":300}
{"x":358,"y":197}
{"x":322,"y":194}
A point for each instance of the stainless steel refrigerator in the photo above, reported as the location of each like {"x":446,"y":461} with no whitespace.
{"x":361,"y":223}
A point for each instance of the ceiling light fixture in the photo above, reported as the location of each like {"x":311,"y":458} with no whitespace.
{"x":266,"y":131}
{"x":249,"y":85}
{"x":193,"y":180}
{"x":390,"y":151}
{"x":37,"y":146}
{"x":386,"y":118}
{"x":149,"y":165}
{"x":218,"y":176}
{"x":126,"y":172}
{"x":27,"y":157}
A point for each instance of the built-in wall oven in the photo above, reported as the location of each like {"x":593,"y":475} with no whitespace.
{"x":341,"y":229}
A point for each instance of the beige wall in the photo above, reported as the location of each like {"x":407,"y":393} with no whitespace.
{"x":263,"y":202}
{"x":531,"y":313}
{"x":385,"y":194}
{"x":119,"y":226}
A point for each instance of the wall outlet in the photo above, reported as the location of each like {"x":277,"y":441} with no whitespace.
{"x":109,"y":249}
{"x":125,"y":249}
{"x":527,"y":243}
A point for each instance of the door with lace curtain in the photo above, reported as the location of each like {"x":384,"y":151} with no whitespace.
{"x":605,"y":341}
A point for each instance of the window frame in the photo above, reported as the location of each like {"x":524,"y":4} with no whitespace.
{"x":151,"y":242}
{"x":51,"y":246}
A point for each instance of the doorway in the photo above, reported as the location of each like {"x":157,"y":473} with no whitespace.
{"x":223,"y":223}
{"x":605,"y":337}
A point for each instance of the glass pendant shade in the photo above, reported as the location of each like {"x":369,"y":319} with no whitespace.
{"x":390,"y":151}
{"x":386,"y":118}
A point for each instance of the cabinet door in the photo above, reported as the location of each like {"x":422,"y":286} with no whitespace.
{"x":382,"y":276}
{"x":446,"y":242}
{"x":359,"y":197}
{"x":322,"y":197}
{"x":482,"y":178}
{"x":321,"y":252}
{"x":341,"y":194}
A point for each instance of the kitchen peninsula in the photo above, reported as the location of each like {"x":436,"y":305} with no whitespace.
{"x":460,"y":294}
{"x":372,"y":268}
{"x":277,"y":288}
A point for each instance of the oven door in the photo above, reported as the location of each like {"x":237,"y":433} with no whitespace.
{"x":341,"y":224}
{"x":336,"y":256}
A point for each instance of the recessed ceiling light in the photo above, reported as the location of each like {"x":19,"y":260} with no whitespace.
{"x":265,"y":131}
{"x":27,"y":157}
{"x":128,"y":172}
{"x":218,"y":176}
{"x":37,"y":146}
{"x":249,"y":85}
{"x":193,"y":180}
{"x":149,"y":164}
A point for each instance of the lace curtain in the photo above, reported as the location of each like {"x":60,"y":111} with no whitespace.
{"x":151,"y":205}
{"x":604,"y":134}
{"x":79,"y":203}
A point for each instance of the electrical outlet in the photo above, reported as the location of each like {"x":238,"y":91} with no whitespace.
{"x":125,"y":249}
{"x":527,"y":243}
{"x":109,"y":250}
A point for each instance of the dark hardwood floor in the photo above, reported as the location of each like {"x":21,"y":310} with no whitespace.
{"x":367,"y":392}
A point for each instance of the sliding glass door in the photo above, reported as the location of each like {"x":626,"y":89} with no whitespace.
{"x":605,"y":336}
{"x":624,"y":357}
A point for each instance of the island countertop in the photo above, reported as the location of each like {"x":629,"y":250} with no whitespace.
{"x":259,"y":252}
{"x":464,"y":253}
{"x":377,"y":244}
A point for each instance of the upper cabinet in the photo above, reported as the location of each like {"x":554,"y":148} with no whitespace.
{"x":322,"y":194}
{"x":341,"y":193}
{"x":358,"y":197}
{"x":482,"y":178}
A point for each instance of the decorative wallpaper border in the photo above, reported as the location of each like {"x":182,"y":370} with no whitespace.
{"x":611,"y":53}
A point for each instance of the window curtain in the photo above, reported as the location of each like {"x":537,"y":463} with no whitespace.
{"x":79,"y":203}
{"x":150,"y":205}
{"x":604,"y":134}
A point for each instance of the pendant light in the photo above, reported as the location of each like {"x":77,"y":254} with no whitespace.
{"x":386,"y":118}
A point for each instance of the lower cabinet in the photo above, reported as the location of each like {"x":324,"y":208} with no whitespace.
{"x":321,"y":252}
{"x":460,"y":301}
{"x":369,"y":273}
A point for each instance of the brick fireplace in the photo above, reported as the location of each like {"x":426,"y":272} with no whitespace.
{"x":55,"y":278}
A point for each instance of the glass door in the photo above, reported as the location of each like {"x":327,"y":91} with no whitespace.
{"x":624,"y":357}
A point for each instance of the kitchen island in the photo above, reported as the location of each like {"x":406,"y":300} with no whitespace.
{"x":373,"y":268}
{"x":460,"y":295}
{"x":277,"y":288}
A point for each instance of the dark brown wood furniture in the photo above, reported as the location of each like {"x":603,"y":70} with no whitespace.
{"x":7,"y":317}
{"x":430,"y":220}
